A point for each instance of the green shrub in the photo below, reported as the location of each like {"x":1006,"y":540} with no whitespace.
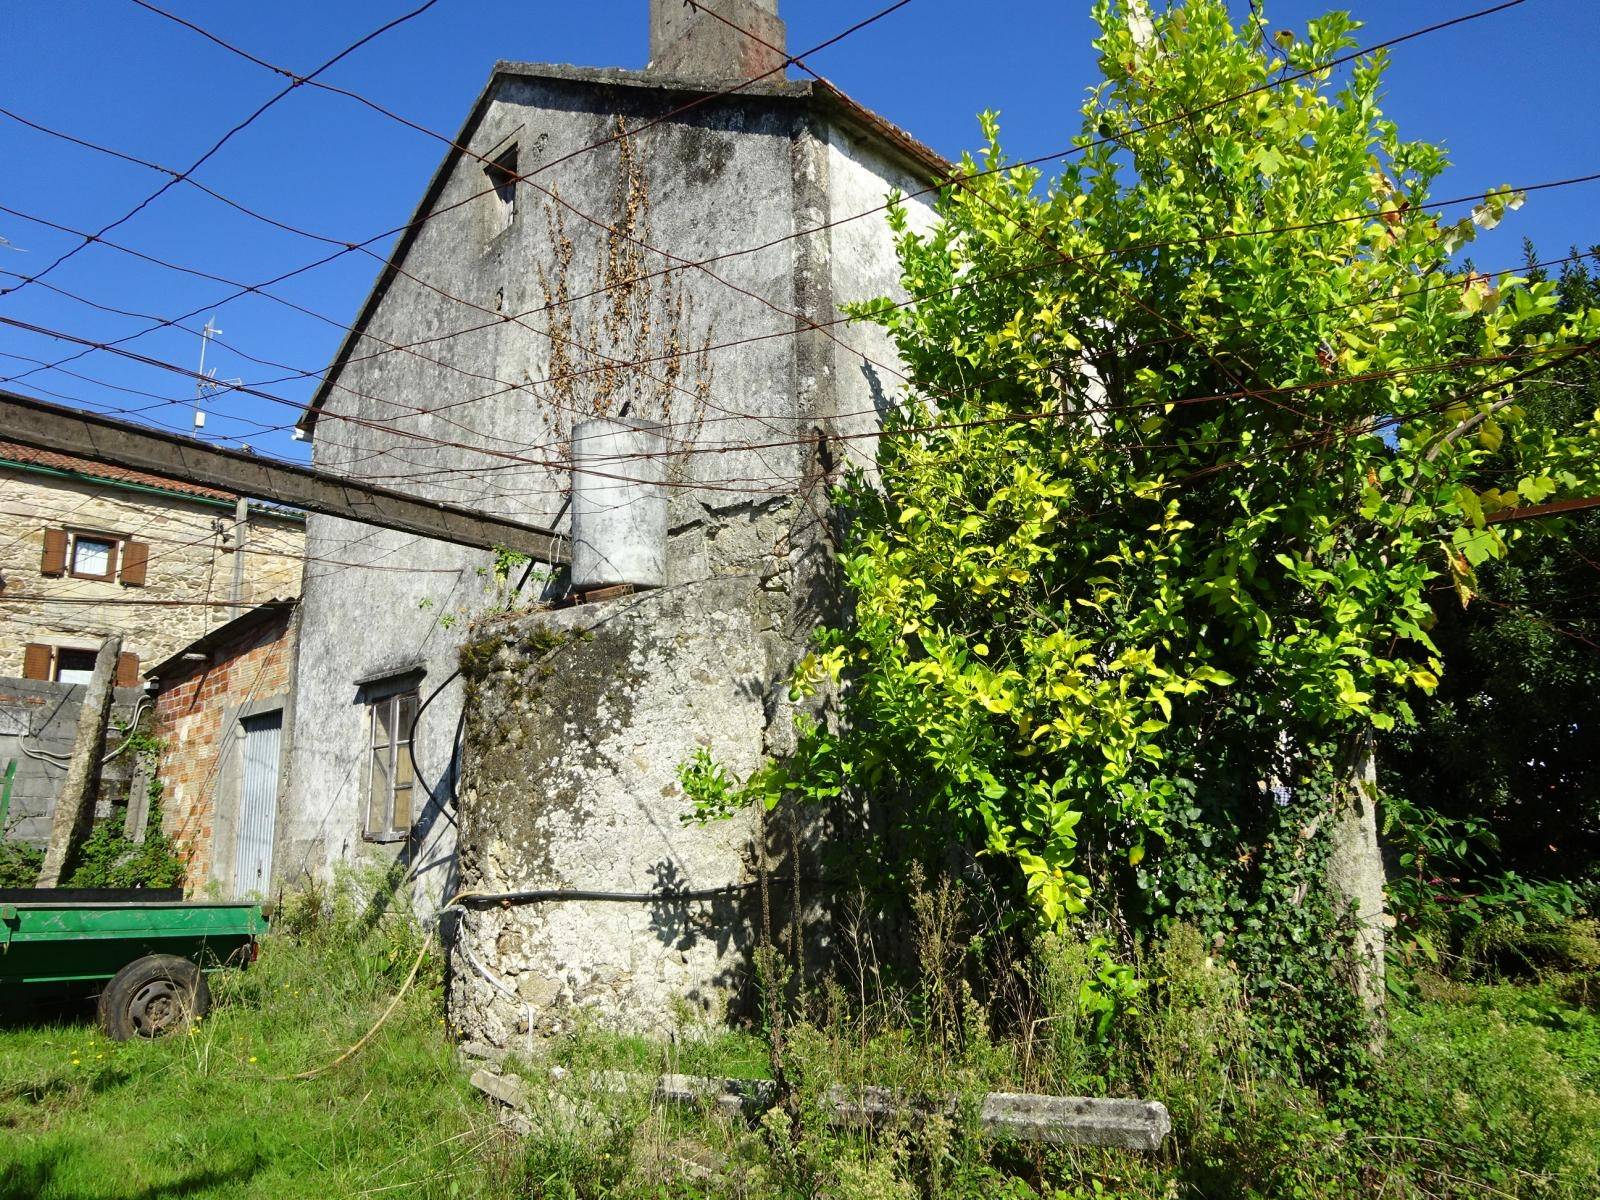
{"x":19,"y":864}
{"x":108,"y":859}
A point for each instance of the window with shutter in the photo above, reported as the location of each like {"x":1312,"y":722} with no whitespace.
{"x":36,"y":661}
{"x":135,"y":563}
{"x":54,"y":561}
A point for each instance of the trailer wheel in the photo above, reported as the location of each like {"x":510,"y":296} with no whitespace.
{"x":152,"y":997}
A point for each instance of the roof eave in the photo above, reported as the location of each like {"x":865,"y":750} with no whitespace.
{"x":221,"y":635}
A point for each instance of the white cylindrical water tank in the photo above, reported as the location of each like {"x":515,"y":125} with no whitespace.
{"x":619,"y":504}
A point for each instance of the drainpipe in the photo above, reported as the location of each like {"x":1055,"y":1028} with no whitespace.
{"x":241,"y":527}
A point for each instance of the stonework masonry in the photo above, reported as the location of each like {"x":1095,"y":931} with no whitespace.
{"x":190,"y":560}
{"x":197,"y":714}
{"x":577,"y":722}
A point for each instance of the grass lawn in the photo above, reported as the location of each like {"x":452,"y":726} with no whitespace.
{"x":201,"y":1114}
{"x":208,"y":1113}
{"x":1487,"y":1091}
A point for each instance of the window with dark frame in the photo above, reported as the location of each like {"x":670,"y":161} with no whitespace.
{"x":502,"y":173}
{"x":92,"y":556}
{"x":391,"y":778}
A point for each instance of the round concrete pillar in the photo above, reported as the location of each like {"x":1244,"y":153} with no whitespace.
{"x":619,"y":504}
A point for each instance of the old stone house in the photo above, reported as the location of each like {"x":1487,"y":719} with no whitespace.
{"x":88,"y":550}
{"x":669,"y":248}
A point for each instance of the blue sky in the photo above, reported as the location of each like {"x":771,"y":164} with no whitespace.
{"x":1514,"y":98}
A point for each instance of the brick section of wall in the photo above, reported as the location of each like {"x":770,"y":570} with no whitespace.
{"x":191,"y":720}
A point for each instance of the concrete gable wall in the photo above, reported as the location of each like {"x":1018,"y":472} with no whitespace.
{"x":720,"y":179}
{"x":560,"y":785}
{"x":863,"y":267}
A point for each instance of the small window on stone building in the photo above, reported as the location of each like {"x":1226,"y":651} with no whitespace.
{"x":93,"y":556}
{"x":74,"y":666}
{"x":502,"y":173}
{"x":391,"y":779}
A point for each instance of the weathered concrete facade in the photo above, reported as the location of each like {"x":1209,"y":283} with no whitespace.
{"x":574,"y":721}
{"x":38,"y":725}
{"x":603,"y":702}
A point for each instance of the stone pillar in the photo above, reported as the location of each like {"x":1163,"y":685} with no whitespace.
{"x":138,"y":815}
{"x":576,"y":723}
{"x":75,"y":803}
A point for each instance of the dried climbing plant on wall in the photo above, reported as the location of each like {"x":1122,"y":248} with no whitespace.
{"x":627,"y":346}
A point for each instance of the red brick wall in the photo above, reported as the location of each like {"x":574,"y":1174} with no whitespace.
{"x":189,"y":714}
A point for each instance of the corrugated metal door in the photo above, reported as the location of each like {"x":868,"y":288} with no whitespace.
{"x":258,"y":805}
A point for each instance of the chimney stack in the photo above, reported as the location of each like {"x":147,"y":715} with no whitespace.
{"x":688,"y":41}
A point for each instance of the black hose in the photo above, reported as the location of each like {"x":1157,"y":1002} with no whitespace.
{"x":411,"y":734}
{"x":557,"y":895}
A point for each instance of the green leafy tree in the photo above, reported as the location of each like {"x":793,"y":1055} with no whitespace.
{"x":1192,"y":436}
{"x":1193,"y":432}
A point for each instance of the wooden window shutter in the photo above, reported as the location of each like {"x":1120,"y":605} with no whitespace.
{"x":36,"y":661}
{"x":127,"y":669}
{"x":135,"y":561}
{"x":55,"y":552}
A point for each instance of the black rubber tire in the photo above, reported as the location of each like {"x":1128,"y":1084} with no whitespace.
{"x":152,"y":997}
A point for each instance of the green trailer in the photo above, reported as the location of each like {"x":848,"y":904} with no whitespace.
{"x":148,"y":947}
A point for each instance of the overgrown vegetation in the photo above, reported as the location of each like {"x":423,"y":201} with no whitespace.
{"x":1198,"y":435}
{"x":1501,"y":772}
{"x":108,"y":858}
{"x":1483,"y":1090}
{"x":208,"y":1113}
{"x":20,"y":864}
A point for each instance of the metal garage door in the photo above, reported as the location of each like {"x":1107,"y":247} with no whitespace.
{"x":258,"y":805}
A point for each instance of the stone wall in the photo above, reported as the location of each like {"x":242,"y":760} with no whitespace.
{"x":190,"y":560}
{"x":197,"y":720}
{"x":42,"y":717}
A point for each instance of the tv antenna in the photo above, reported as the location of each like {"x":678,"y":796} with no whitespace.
{"x":207,"y":384}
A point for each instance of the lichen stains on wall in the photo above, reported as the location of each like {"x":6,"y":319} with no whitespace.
{"x":571,"y":783}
